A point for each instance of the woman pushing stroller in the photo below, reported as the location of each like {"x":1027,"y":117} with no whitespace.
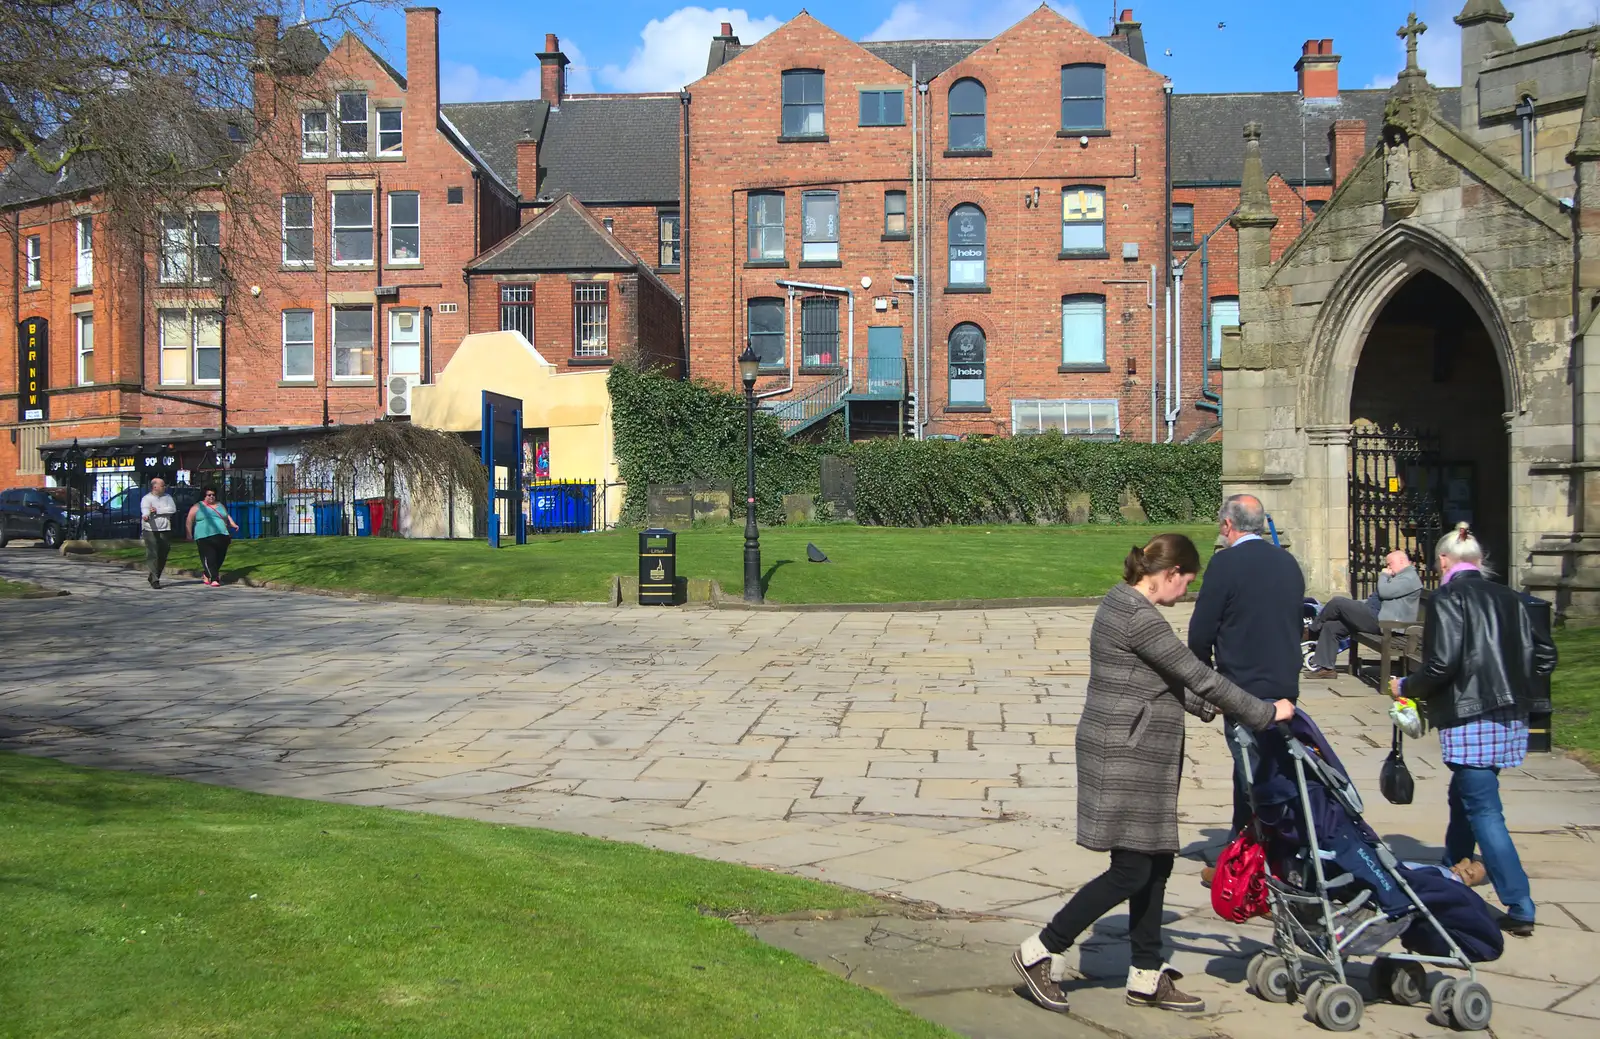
{"x":1142,"y":679}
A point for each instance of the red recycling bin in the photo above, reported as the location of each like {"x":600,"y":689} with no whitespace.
{"x":385,"y":510}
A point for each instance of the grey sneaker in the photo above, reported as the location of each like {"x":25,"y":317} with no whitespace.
{"x":1151,"y":988}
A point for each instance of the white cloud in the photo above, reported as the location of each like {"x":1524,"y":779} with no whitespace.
{"x":1439,"y":50}
{"x":465,"y":83}
{"x":673,"y":50}
{"x":959,"y":19}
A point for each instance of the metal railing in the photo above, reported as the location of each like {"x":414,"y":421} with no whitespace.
{"x":800,"y":412}
{"x":886,"y":378}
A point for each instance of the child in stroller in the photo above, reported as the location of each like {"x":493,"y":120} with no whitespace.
{"x":1336,"y":892}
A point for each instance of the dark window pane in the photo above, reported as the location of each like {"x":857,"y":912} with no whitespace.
{"x":894,"y":108}
{"x":967,"y":362}
{"x":766,"y":327}
{"x":1083,"y":81}
{"x":819,"y":331}
{"x":1088,"y":114}
{"x":967,"y":98}
{"x":967,"y":132}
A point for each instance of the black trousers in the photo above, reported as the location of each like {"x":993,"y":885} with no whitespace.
{"x":213,"y":550}
{"x":1136,"y":878}
{"x":1340,"y":617}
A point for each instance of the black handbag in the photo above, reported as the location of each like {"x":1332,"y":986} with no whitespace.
{"x":1394,"y":780}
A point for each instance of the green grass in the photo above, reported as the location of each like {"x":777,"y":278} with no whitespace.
{"x":1575,"y":692}
{"x":15,"y":589}
{"x":868,"y":564}
{"x":135,"y":906}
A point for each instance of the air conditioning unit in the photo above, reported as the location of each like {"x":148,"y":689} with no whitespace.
{"x":400,"y":387}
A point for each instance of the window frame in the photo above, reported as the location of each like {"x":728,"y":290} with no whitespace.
{"x":84,"y":240}
{"x":756,"y":233}
{"x":803,"y":105}
{"x":334,"y":229}
{"x":819,"y":346}
{"x":33,"y":261}
{"x":79,"y":323}
{"x":982,"y":247}
{"x":592,"y":295}
{"x":365,"y":123}
{"x":1114,"y":433}
{"x":878,"y":94}
{"x":1214,"y":328}
{"x":766,"y":337}
{"x":822,"y":254}
{"x":888,"y":214}
{"x":669,"y":260}
{"x":1181,"y":239}
{"x":195,"y":317}
{"x":398,"y":131}
{"x":186,"y":264}
{"x":306,"y":134}
{"x":371,"y":348}
{"x":399,"y":340}
{"x":982,"y":364}
{"x":190,"y":348}
{"x":288,"y":344}
{"x":309,"y":228}
{"x":1084,"y":190}
{"x":1079,"y":128}
{"x":982,"y":115}
{"x":1083,"y":362}
{"x":395,"y":225}
{"x":525,"y":310}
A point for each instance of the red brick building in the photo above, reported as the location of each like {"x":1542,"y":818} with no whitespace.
{"x":1022,"y":178}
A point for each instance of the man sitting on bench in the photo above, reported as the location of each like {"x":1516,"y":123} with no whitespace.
{"x":1398,"y":598}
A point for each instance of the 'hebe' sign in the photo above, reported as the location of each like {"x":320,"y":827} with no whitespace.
{"x":33,"y":368}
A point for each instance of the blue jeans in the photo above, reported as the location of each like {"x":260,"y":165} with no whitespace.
{"x":1476,"y":819}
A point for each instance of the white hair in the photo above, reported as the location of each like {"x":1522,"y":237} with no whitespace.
{"x":1462,"y":546}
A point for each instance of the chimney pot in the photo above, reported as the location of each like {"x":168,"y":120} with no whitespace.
{"x":1126,"y":15}
{"x":552,"y":71}
{"x":551,"y":44}
{"x":1318,"y":70}
{"x":727,"y":28}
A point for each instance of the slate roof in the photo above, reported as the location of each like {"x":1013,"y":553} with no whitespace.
{"x":614,"y":149}
{"x":565,"y":237}
{"x":930,"y":56}
{"x":1208,"y":146}
{"x":493,"y":128}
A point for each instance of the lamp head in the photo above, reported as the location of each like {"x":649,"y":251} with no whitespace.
{"x":749,"y":367}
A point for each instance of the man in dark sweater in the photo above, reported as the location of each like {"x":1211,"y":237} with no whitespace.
{"x":1248,"y":618}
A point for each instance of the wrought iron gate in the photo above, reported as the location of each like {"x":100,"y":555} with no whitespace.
{"x":1395,"y":480}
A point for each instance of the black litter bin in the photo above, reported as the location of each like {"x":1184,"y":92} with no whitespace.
{"x":658,"y":567}
{"x":1539,"y":611}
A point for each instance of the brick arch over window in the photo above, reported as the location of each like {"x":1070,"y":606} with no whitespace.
{"x":982,"y":199}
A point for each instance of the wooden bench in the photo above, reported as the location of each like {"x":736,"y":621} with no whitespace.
{"x":1396,"y":643}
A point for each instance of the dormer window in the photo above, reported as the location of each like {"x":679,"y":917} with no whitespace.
{"x":352,"y":123}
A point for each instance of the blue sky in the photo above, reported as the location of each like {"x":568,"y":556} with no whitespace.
{"x":488,"y":46}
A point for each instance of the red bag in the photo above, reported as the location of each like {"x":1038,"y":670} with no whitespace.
{"x":1239,"y":889}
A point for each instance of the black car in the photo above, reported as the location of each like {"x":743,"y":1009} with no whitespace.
{"x":119,"y":517}
{"x":34,"y":512}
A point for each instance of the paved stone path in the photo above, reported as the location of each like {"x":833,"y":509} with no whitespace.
{"x":925,"y":754}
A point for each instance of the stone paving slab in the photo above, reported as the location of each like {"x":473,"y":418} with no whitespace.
{"x":927,"y":755}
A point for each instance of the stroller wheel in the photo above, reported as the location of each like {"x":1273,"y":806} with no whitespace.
{"x":1404,"y":983}
{"x":1471,"y":1006}
{"x":1339,"y":1008}
{"x":1312,"y":993}
{"x":1274,"y":982}
{"x":1440,"y":1002}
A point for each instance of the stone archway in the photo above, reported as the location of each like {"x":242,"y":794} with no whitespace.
{"x":1410,"y":326}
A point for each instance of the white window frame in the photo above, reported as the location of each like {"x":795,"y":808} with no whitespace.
{"x":310,"y":228}
{"x":518,"y":303}
{"x":307,"y":134}
{"x":394,"y":224}
{"x":335,"y":227}
{"x":399,"y":339}
{"x":82,"y":351}
{"x":1020,"y":407}
{"x":195,"y":317}
{"x":591,"y":311}
{"x":397,"y":131}
{"x":310,"y":375}
{"x":816,"y":245}
{"x":33,"y":261}
{"x":85,"y":243}
{"x":1084,"y":193}
{"x":365,"y":122}
{"x":1080,"y":362}
{"x":178,"y":260}
{"x":191,"y":346}
{"x":371,"y":345}
{"x":1215,"y":327}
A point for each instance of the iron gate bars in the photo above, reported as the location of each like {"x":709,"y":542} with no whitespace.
{"x":1395,"y":480}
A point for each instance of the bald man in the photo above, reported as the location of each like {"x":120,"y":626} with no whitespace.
{"x":1247,"y":619}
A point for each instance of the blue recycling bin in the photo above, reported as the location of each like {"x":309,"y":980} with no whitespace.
{"x":363,"y":513}
{"x":328,"y":517}
{"x":562,"y":507}
{"x":248,"y":515}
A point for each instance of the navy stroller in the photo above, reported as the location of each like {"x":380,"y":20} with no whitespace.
{"x":1337,"y":893}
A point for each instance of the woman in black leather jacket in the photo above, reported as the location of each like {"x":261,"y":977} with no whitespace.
{"x":1480,"y":653}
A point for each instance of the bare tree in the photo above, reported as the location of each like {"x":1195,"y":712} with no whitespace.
{"x":431,"y":465}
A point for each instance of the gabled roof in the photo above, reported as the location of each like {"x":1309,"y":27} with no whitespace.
{"x":565,"y":237}
{"x":493,"y":129}
{"x":931,"y":57}
{"x":1294,"y":131}
{"x":611,"y":149}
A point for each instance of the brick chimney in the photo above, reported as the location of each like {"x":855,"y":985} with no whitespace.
{"x":528,"y":166}
{"x":1347,"y":142}
{"x":422,"y":63}
{"x":264,"y":88}
{"x":552,"y":71}
{"x":727,"y":31}
{"x":1319,"y":71}
{"x":1129,"y":29}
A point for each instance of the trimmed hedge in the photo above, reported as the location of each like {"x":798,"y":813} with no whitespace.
{"x":674,"y":432}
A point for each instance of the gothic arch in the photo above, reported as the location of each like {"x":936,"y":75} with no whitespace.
{"x":1358,"y":297}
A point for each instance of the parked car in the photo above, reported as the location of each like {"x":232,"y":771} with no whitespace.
{"x":119,"y":516}
{"x":34,"y":512}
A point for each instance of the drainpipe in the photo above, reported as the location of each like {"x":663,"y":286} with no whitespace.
{"x":916,"y":359}
{"x":1155,"y":413}
{"x":914,"y":218}
{"x":1176,"y":361}
{"x":1166,"y":247}
{"x":850,"y":338}
{"x":1213,"y":399}
{"x":427,"y":344}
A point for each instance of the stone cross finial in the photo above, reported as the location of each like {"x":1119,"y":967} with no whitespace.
{"x":1410,"y":32}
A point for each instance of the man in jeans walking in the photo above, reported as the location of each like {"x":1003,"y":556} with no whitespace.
{"x":156,"y":510}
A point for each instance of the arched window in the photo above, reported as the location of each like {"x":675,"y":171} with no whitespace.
{"x":968,"y":353}
{"x":968,"y":246}
{"x":968,"y":102}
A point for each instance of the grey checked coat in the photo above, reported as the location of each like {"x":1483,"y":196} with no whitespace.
{"x":1130,"y":738}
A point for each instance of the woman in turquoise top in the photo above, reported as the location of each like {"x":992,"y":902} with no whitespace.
{"x":208,"y":529}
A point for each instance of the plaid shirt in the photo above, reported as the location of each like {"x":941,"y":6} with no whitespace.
{"x":1498,"y":739}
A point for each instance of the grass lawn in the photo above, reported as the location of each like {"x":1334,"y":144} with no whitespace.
{"x":137,"y":906}
{"x":1575,"y":692}
{"x":14,"y":589}
{"x":868,"y":564}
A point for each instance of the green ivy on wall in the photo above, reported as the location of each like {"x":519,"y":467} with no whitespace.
{"x":670,"y":432}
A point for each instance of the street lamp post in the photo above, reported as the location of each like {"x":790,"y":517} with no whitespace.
{"x":749,"y":368}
